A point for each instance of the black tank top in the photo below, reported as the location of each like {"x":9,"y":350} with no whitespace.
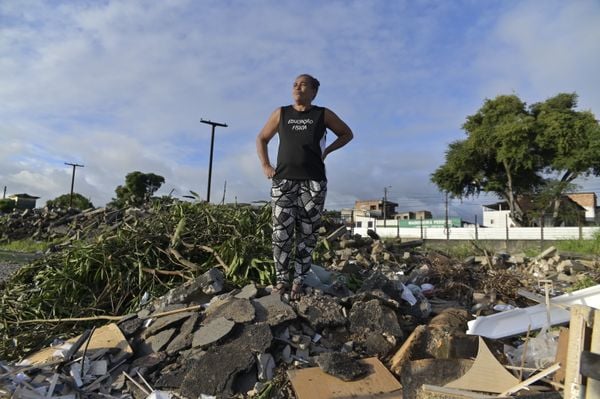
{"x":301,"y":144}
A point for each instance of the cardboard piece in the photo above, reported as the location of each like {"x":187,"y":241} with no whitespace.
{"x":486,"y":375}
{"x":314,"y":383}
{"x":108,"y":336}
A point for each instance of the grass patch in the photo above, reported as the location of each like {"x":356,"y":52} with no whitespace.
{"x":584,"y":282}
{"x":590,"y":247}
{"x":26,"y":245}
{"x":460,"y":250}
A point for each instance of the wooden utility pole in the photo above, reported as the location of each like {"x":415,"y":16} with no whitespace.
{"x":212,"y":144}
{"x":74,"y":165}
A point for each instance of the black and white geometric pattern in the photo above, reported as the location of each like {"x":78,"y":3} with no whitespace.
{"x":297,"y":206}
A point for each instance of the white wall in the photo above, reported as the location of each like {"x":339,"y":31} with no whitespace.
{"x":496,"y":218}
{"x":471,"y":233}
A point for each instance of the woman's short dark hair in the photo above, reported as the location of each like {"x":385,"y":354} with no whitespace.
{"x":314,"y":82}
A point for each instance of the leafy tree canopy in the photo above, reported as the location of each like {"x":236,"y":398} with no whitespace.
{"x":7,"y":205}
{"x":63,"y":201}
{"x":513,"y":150}
{"x":138,"y":189}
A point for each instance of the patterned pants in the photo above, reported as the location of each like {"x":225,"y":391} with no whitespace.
{"x":297,"y":206}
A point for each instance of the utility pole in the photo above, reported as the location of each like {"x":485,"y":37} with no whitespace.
{"x":385,"y":204}
{"x":4,"y":195}
{"x":212,"y":144}
{"x":74,"y":165}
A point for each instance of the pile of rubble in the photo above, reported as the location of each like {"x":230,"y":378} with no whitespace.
{"x":370,"y":301}
{"x":55,"y":224}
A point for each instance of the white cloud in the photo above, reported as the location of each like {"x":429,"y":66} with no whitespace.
{"x":121,"y":86}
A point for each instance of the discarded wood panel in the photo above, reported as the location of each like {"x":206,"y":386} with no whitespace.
{"x":531,"y":380}
{"x":593,"y":387}
{"x":561,"y":354}
{"x":580,"y":315}
{"x":108,"y":336}
{"x":454,"y":392}
{"x":486,"y":375}
{"x":314,"y":383}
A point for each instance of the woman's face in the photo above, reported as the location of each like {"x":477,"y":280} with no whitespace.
{"x":303,"y":91}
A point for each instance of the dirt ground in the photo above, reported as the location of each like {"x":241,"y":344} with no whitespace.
{"x":11,"y":262}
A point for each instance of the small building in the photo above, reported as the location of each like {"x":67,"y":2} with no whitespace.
{"x":23,"y":201}
{"x":423,"y":215}
{"x":498,"y":214}
{"x":387,"y":210}
{"x":587,"y":201}
{"x":405,"y":216}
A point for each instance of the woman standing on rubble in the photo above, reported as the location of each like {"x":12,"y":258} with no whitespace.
{"x":299,"y":184}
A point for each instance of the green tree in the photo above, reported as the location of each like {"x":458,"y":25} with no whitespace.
{"x":498,"y":156}
{"x":63,"y":201}
{"x":570,"y":142}
{"x":7,"y":205}
{"x":138,"y":189}
{"x":516,"y":151}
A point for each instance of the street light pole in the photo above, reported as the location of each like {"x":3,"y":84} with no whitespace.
{"x":74,"y":165}
{"x":212,"y":144}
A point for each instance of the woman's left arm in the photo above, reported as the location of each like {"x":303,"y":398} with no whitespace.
{"x":340,"y":129}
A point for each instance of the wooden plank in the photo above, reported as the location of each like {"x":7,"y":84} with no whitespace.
{"x":531,"y":380}
{"x":455,"y":392}
{"x":577,"y":331}
{"x":314,"y":383}
{"x":593,"y":385}
{"x":486,"y":375}
{"x":108,"y":336}
{"x":561,"y":354}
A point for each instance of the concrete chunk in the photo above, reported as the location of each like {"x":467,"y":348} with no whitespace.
{"x":342,"y":366}
{"x":273,"y":310}
{"x":321,"y":312}
{"x":234,"y":309}
{"x":212,"y":332}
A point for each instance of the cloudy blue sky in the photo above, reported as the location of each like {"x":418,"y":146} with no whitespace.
{"x":121,"y":86}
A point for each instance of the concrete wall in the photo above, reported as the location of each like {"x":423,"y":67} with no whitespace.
{"x":473,"y":233}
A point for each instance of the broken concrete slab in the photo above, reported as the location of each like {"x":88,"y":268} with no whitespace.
{"x":210,"y":283}
{"x":321,"y":312}
{"x":184,"y":338}
{"x":273,"y":310}
{"x":378,"y":345}
{"x":248,"y":292}
{"x":342,"y":366}
{"x":372,"y":316}
{"x":164,"y":322}
{"x":215,"y":372}
{"x":212,"y":332}
{"x":235,"y":309}
{"x":156,"y":342}
{"x":256,"y":337}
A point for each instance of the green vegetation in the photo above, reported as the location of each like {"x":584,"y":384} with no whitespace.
{"x":63,"y":201}
{"x":24,"y":246}
{"x":591,"y":247}
{"x":176,"y":242}
{"x":585,"y":282}
{"x":7,"y":205}
{"x":511,"y":149}
{"x":138,"y":189}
